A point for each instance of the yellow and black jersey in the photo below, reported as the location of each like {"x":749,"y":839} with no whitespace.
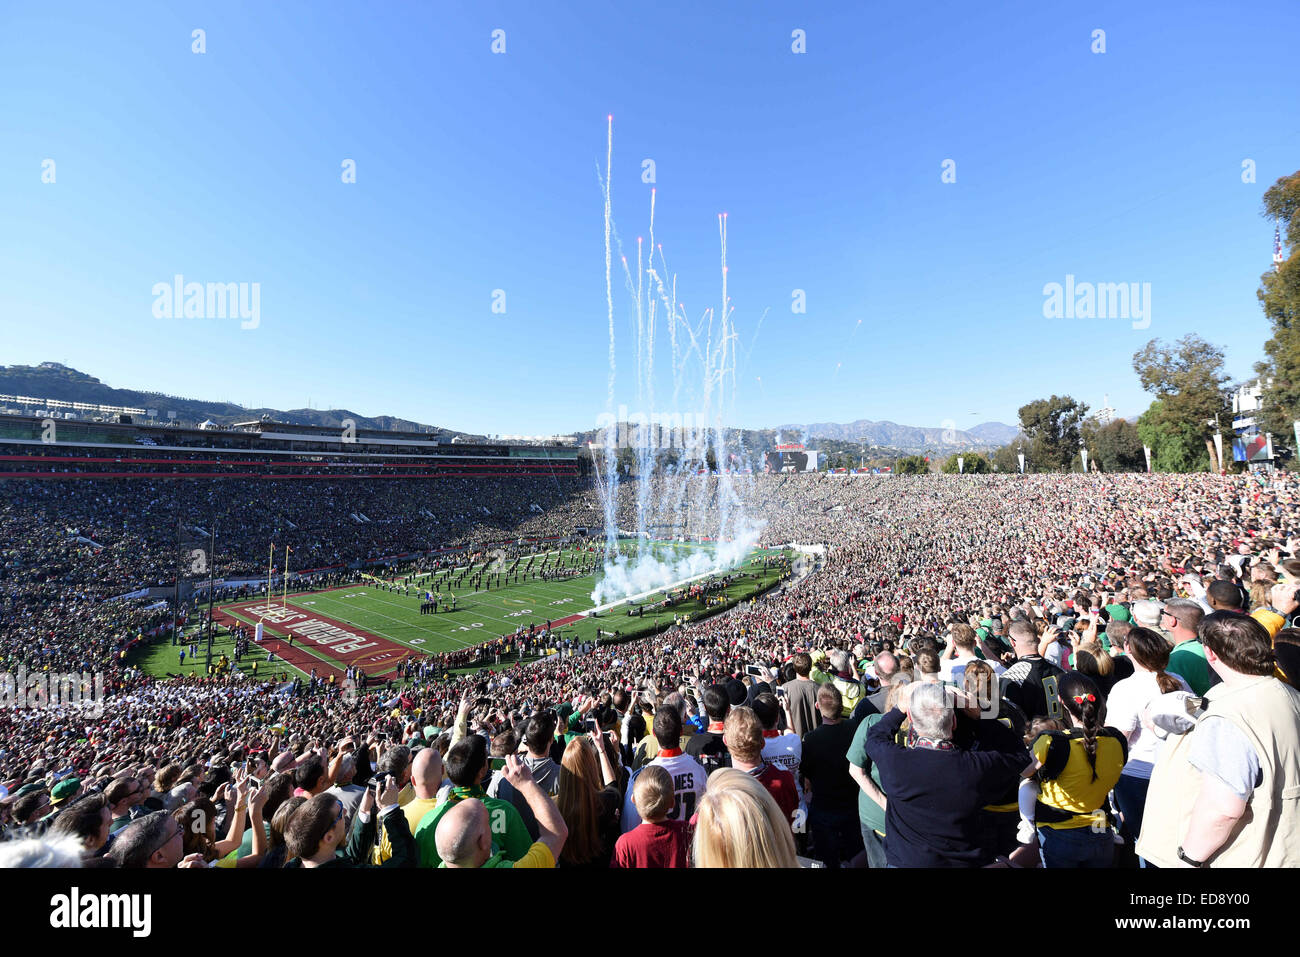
{"x":1070,"y":796}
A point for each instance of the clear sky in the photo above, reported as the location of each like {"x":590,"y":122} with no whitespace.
{"x":476,"y":171}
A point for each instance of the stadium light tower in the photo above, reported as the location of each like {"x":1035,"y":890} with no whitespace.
{"x":1105,"y":414}
{"x":180,"y":565}
{"x":212,"y":574}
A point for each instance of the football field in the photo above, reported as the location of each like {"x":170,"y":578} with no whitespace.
{"x":376,"y":623}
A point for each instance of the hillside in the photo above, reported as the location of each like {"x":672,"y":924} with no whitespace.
{"x":52,"y":380}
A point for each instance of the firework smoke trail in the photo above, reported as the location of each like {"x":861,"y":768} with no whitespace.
{"x":726,"y":494}
{"x":647,"y":449}
{"x":644,"y":449}
{"x":707,"y":362}
{"x":676,"y":476}
{"x":640,"y":330}
{"x":609,"y":487}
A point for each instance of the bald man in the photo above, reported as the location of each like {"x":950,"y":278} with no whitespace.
{"x":426,"y":779}
{"x":464,"y":834}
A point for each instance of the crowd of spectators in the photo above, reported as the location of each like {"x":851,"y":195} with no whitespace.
{"x":974,"y":671}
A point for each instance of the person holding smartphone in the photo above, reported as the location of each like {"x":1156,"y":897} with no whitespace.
{"x":316,"y":833}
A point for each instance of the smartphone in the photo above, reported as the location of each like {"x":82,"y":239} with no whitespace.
{"x":756,"y":671}
{"x":496,"y":764}
{"x":590,"y":725}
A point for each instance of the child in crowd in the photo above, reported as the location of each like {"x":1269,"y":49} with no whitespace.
{"x":1028,"y":795}
{"x":656,"y":841}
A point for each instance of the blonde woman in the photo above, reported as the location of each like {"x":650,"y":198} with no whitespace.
{"x":590,"y":801}
{"x":740,"y":825}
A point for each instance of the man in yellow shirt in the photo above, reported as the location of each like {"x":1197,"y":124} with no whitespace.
{"x":426,"y":779}
{"x":396,"y":761}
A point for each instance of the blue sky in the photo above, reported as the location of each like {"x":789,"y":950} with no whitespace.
{"x":477,"y":171}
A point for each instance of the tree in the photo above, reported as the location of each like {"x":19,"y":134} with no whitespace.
{"x":1279,"y":296}
{"x":1052,"y":427}
{"x":1116,"y":446}
{"x":1006,"y":458}
{"x":973,"y":464}
{"x":912,"y":465}
{"x":1174,"y":447}
{"x":1190,"y":387}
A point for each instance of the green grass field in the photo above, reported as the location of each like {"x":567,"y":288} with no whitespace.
{"x":479,"y":616}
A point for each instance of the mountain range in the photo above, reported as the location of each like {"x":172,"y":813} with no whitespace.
{"x":53,"y":380}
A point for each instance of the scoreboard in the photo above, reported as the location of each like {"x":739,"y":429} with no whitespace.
{"x":791,"y":458}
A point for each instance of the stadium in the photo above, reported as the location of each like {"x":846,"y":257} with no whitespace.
{"x":505,"y":618}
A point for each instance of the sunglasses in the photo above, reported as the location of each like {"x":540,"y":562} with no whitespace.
{"x":180,"y":832}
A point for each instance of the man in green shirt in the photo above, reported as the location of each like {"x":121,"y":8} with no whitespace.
{"x":871,"y":797}
{"x":465,"y":839}
{"x":1181,"y":620}
{"x":466,"y":765}
{"x":1117,"y":614}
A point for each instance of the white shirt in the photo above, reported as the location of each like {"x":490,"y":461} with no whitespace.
{"x":689,"y":779}
{"x":1058,"y":653}
{"x":1124,"y":706}
{"x":786,"y":752}
{"x":951,"y":670}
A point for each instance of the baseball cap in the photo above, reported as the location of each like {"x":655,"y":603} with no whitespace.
{"x":65,"y":789}
{"x":1147,"y":612}
{"x":1118,"y":613}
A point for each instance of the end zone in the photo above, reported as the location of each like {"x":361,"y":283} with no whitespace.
{"x":343,"y":642}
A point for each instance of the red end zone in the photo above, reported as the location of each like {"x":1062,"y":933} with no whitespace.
{"x":376,"y":656}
